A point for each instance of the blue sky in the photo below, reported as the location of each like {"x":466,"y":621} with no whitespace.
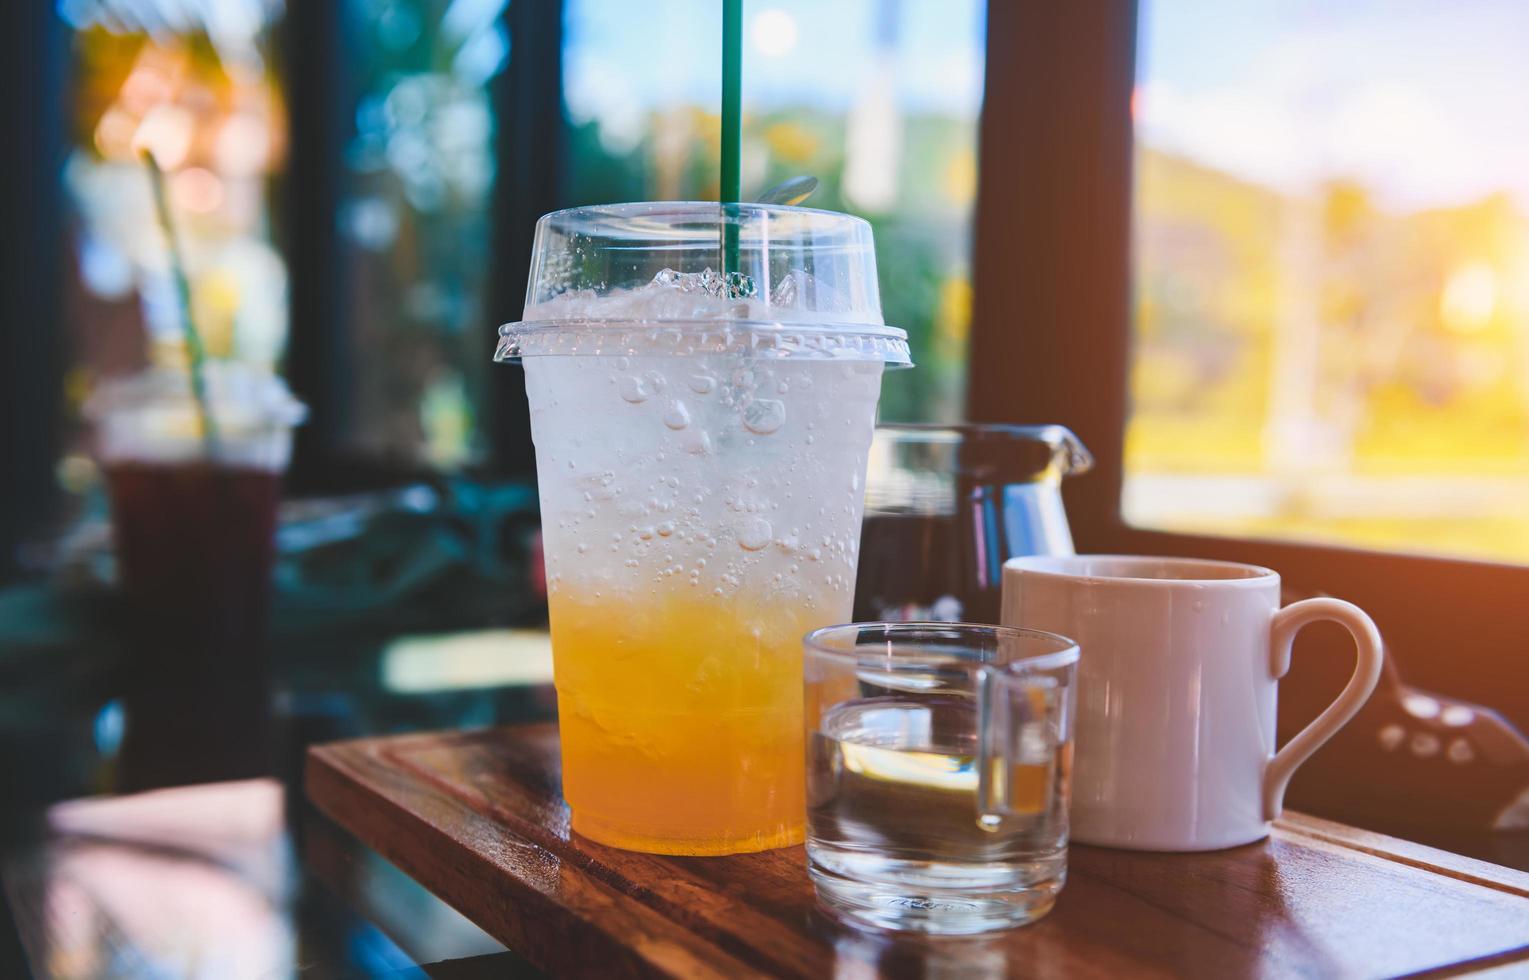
{"x":624,"y":57}
{"x":1426,"y":101}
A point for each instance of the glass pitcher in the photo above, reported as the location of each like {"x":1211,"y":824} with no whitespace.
{"x":946,"y":506}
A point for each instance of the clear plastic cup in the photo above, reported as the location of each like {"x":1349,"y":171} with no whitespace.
{"x":151,"y":418}
{"x":701,"y":448}
{"x":194,"y":521}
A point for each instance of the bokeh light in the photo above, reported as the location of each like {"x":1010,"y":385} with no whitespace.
{"x":773,"y":32}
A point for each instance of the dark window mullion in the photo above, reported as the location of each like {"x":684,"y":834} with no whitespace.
{"x":319,"y":358}
{"x":530,"y":157}
{"x":33,"y":335}
{"x":1051,"y":304}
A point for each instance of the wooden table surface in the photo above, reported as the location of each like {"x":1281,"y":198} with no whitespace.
{"x":478,"y":819}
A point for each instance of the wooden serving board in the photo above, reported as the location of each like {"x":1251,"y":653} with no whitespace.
{"x":478,"y":818}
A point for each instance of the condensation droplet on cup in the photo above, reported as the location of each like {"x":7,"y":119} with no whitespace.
{"x":764,"y":416}
{"x":697,"y":441}
{"x":677,"y":416}
{"x":665,"y":529}
{"x":702,"y":383}
{"x":754,"y":534}
{"x":632,"y":389}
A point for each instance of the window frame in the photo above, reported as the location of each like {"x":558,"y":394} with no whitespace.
{"x":527,"y":98}
{"x":1051,"y":342}
{"x":33,"y":344}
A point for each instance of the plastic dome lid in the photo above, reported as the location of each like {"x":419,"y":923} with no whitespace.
{"x":240,"y":396}
{"x":645,"y":279}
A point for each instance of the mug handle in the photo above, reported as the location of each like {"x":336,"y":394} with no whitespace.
{"x":1012,"y":724}
{"x":1287,"y":623}
{"x":993,"y":766}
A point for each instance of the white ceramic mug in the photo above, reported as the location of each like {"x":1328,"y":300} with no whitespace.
{"x":1176,"y":692}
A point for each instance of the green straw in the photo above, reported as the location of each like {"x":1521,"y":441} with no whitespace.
{"x":732,"y":128}
{"x":196,"y":355}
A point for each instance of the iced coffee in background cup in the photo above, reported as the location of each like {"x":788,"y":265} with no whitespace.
{"x":193,"y":520}
{"x":701,"y":425}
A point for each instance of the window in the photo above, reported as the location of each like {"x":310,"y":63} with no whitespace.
{"x":196,"y":86}
{"x":207,"y":88}
{"x":1332,"y":275}
{"x":878,"y":99}
{"x":383,"y":113}
{"x":1052,"y":341}
{"x":415,"y":217}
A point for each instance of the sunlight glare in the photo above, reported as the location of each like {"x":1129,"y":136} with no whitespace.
{"x":1469,"y":299}
{"x":774,"y":33}
{"x":166,"y":131}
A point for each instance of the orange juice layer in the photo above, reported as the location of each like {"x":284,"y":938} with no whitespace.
{"x":681,"y":720}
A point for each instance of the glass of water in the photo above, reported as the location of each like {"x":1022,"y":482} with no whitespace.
{"x":939,"y":759}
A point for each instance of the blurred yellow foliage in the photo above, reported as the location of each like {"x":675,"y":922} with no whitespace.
{"x":960,"y":178}
{"x":1278,"y":337}
{"x":954,"y":315}
{"x":791,"y":143}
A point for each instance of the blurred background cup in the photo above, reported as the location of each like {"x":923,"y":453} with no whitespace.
{"x":939,"y":758}
{"x":193,"y":524}
{"x":947,"y":505}
{"x":701,"y":441}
